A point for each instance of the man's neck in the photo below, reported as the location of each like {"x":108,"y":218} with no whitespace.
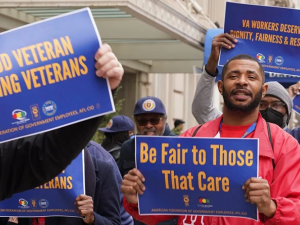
{"x":237,"y":118}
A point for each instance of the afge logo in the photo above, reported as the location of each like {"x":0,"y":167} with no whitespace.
{"x":186,"y":200}
{"x":148,"y":105}
{"x":35,"y":112}
{"x":33,"y":203}
{"x":270,"y":59}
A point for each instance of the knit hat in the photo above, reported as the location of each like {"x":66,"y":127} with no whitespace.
{"x":118,"y":124}
{"x":277,"y":90}
{"x":149,"y":105}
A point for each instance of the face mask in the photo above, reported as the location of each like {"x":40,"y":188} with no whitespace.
{"x":272,"y":116}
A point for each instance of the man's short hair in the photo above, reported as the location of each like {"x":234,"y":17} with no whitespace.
{"x":178,"y":122}
{"x":241,"y":57}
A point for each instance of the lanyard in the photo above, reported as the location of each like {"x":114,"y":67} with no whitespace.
{"x":248,"y":131}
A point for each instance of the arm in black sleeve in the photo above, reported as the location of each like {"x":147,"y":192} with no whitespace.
{"x":127,"y":157}
{"x":28,"y":162}
{"x":121,"y":160}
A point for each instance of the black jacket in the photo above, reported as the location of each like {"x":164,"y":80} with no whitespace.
{"x":115,"y":151}
{"x":100,"y":153}
{"x":31,"y":161}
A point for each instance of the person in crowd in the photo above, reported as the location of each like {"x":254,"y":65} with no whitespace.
{"x":168,"y":131}
{"x":178,"y":127}
{"x":100,"y":153}
{"x":101,"y":186}
{"x":150,"y":118}
{"x":31,"y":161}
{"x":276,"y":106}
{"x":276,"y":191}
{"x":294,"y":91}
{"x":118,"y":130}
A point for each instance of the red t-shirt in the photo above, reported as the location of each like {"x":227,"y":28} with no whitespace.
{"x":234,"y":131}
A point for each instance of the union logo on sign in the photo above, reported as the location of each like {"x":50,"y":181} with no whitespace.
{"x":260,"y":57}
{"x":279,"y":60}
{"x":19,"y":114}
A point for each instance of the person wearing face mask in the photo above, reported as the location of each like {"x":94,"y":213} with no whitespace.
{"x":275,"y":107}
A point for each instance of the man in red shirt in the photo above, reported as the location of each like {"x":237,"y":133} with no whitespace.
{"x":277,"y":192}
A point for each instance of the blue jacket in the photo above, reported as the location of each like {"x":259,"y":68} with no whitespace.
{"x":295,"y":133}
{"x":100,"y":153}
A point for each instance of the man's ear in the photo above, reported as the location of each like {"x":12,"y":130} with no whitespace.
{"x":264,"y":90}
{"x":220,"y":86}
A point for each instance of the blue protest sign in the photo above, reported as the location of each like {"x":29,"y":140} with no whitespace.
{"x":273,"y":40}
{"x":47,"y":76}
{"x":296,"y":104}
{"x":54,"y":198}
{"x":196,"y":176}
{"x":284,"y":79}
{"x":210,"y":34}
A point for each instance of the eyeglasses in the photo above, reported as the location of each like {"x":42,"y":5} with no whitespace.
{"x":144,"y":121}
{"x":274,"y":105}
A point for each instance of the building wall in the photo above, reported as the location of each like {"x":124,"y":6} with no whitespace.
{"x":177,"y":90}
{"x":128,"y":93}
{"x":214,"y":9}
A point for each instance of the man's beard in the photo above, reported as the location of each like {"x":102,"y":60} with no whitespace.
{"x":153,"y":130}
{"x":146,"y":131}
{"x":241,"y":108}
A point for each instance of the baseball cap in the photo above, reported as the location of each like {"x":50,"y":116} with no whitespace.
{"x":149,"y":105}
{"x":117,"y":124}
{"x":178,"y":122}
